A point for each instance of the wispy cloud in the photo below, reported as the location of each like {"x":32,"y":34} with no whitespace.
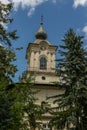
{"x":30,"y":4}
{"x":79,"y":3}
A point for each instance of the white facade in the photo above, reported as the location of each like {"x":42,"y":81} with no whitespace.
{"x":34,"y":53}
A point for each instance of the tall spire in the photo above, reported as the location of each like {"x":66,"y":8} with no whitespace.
{"x":41,"y":34}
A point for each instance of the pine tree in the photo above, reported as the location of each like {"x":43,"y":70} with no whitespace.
{"x":72,"y":68}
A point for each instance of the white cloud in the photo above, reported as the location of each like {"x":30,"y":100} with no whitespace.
{"x":27,"y":3}
{"x":31,"y":11}
{"x":79,"y":3}
{"x":84,"y":30}
{"x":30,"y":4}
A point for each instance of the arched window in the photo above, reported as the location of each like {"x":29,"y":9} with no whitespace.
{"x":43,"y":63}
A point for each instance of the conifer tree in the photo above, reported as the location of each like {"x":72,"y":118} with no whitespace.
{"x":72,"y":69}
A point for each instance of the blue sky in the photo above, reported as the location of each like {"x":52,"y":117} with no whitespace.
{"x":59,"y":16}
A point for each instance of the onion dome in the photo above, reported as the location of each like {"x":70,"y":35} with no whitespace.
{"x":41,"y":34}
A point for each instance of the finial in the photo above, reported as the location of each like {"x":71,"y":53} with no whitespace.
{"x":41,"y":34}
{"x":41,"y":20}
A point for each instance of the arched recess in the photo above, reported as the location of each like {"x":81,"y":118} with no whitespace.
{"x":43,"y":63}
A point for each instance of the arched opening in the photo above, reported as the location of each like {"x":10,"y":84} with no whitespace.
{"x":43,"y":63}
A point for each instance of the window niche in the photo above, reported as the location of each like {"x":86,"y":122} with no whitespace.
{"x":43,"y":63}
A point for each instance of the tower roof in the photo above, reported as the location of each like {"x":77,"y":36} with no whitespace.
{"x":41,"y":34}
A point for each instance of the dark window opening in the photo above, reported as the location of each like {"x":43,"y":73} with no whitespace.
{"x":44,"y":125}
{"x":43,"y":78}
{"x":43,"y":63}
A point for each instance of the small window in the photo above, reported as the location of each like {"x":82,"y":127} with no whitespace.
{"x":43,"y":78}
{"x":43,"y":63}
{"x":44,"y":125}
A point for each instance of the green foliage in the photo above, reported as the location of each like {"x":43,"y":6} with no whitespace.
{"x":7,"y":71}
{"x":17,"y":107}
{"x":72,"y":69}
{"x":7,"y":68}
{"x":5,"y":35}
{"x":32,"y":110}
{"x":10,"y":116}
{"x":18,"y":110}
{"x":7,"y":56}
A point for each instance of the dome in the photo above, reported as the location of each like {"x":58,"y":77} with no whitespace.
{"x":41,"y":34}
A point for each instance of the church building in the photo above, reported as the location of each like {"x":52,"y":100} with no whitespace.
{"x":41,"y":57}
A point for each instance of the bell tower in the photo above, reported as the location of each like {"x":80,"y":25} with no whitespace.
{"x":41,"y":55}
{"x":41,"y":58}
